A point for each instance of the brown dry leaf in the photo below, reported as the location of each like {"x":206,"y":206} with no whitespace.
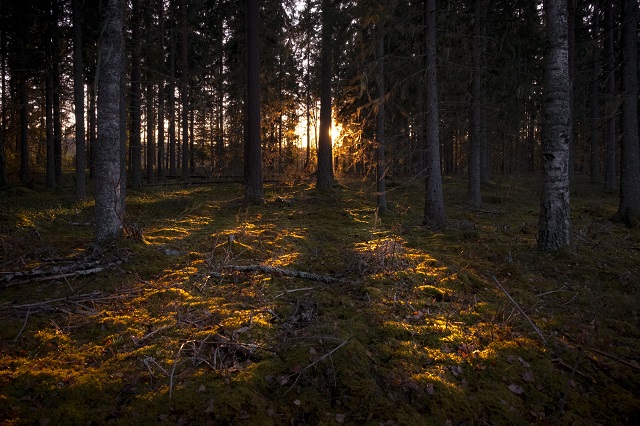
{"x":340,"y":418}
{"x":518,"y":390}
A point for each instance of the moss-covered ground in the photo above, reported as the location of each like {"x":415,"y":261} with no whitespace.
{"x":414,"y":330}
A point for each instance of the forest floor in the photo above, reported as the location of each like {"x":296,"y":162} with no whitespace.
{"x":204,"y":316}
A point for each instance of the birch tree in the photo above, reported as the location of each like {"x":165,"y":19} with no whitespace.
{"x":554,"y":221}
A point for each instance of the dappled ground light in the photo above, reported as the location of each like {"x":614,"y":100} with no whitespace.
{"x":311,"y":309}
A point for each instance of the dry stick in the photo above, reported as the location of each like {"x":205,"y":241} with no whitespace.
{"x":519,"y":309}
{"x":317,"y":361}
{"x":615,"y":358}
{"x":294,"y":290}
{"x":23,"y":326}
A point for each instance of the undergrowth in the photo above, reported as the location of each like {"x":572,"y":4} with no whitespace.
{"x":414,"y":327}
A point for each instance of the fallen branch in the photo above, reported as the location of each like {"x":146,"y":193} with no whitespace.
{"x":615,"y":358}
{"x":519,"y":309}
{"x":39,"y":274}
{"x":96,"y":296}
{"x":280,"y":271}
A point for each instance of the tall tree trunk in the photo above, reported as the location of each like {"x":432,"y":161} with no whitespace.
{"x":192,"y":139}
{"x":48,"y":112}
{"x":253,"y":192}
{"x":57,"y":115}
{"x":571,"y":24}
{"x":307,"y":86}
{"x":91,"y":92}
{"x":594,"y":97}
{"x":24,"y":128}
{"x":172,"y":92}
{"x":629,"y":210}
{"x":555,"y":224}
{"x":108,"y":170}
{"x":611,"y":101}
{"x":325,"y":156}
{"x":150,"y":94}
{"x":161,"y":150}
{"x":135,"y":144}
{"x":434,"y":214}
{"x":220,"y":141}
{"x":477,"y":103}
{"x":381,"y":166}
{"x":151,"y":145}
{"x":161,"y":153}
{"x":3,"y":93}
{"x":78,"y":101}
{"x":184,"y":90}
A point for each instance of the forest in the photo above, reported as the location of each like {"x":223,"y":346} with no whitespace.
{"x":319,"y":212}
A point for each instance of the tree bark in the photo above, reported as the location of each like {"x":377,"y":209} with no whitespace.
{"x":91,"y":92}
{"x":161,"y":151}
{"x":629,"y":210}
{"x":24,"y":128}
{"x":610,"y":114}
{"x":50,"y":177}
{"x":150,"y":95}
{"x":3,"y":93}
{"x":571,"y":24}
{"x":135,"y":143}
{"x":434,"y":213}
{"x":477,"y":103}
{"x":381,"y":167}
{"x":554,"y":223}
{"x":184,"y":90}
{"x":172,"y":89}
{"x":325,"y":156}
{"x":252,"y":150}
{"x":57,"y":88}
{"x":108,"y":169}
{"x":78,"y":100}
{"x":594,"y":97}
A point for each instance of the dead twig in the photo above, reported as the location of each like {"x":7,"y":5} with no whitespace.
{"x":23,"y":326}
{"x":519,"y":308}
{"x":294,"y":290}
{"x":139,"y":341}
{"x":317,"y":361}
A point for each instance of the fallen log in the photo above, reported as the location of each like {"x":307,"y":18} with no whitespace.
{"x":327,"y":279}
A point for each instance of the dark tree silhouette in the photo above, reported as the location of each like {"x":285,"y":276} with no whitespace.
{"x":78,"y":100}
{"x":629,"y":210}
{"x":434,"y":213}
{"x":325,"y":156}
{"x":253,"y":192}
